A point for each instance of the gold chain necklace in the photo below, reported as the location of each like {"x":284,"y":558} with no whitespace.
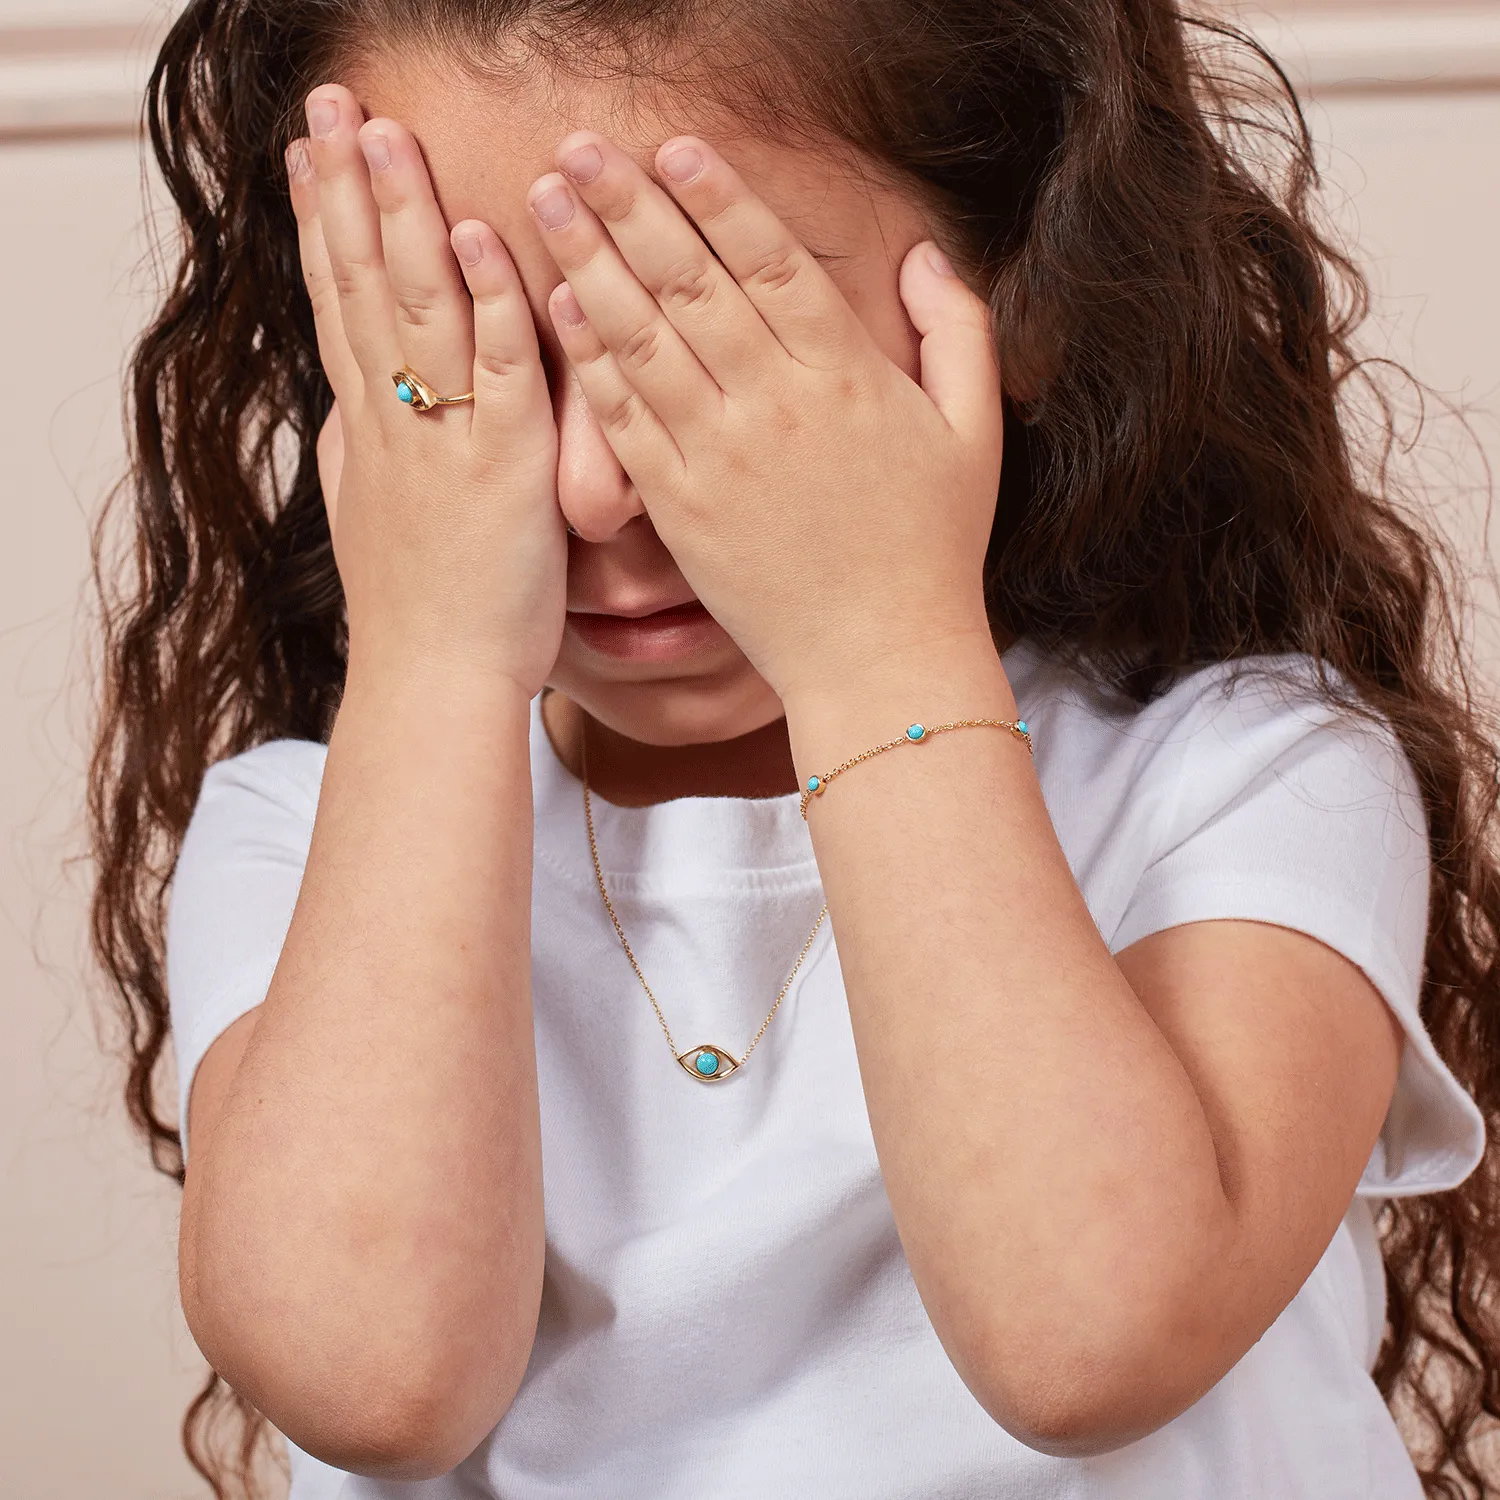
{"x":705,"y":1062}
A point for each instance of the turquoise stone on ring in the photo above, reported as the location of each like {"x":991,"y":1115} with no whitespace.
{"x":405,"y":393}
{"x":707,"y":1064}
{"x":916,"y":732}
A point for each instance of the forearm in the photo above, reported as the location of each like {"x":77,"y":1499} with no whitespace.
{"x":1049,"y":1165}
{"x":366,"y":1217}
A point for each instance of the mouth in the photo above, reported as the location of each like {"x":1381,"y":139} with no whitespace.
{"x":658,"y":635}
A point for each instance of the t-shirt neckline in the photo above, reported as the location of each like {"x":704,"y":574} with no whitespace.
{"x":694,"y":844}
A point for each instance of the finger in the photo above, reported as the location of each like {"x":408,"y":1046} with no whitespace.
{"x":701,"y":300}
{"x":959,"y":369}
{"x":649,"y":351}
{"x":434,"y":313}
{"x":512,"y":405}
{"x":339,"y":364}
{"x":351,"y":230}
{"x":330,"y":451}
{"x":793,"y":294}
{"x":644,"y":446}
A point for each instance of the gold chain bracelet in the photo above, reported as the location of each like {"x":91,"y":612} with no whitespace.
{"x":915,"y":735}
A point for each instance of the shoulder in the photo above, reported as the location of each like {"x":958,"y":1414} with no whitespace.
{"x":255,"y":808}
{"x":280,"y":774}
{"x":1290,"y":737}
{"x":242,"y":857}
{"x":1216,"y":729}
{"x":1254,"y":789}
{"x":234,"y":887}
{"x":1261,"y":789}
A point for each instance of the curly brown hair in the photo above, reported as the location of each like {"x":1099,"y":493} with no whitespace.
{"x":1180,"y":483}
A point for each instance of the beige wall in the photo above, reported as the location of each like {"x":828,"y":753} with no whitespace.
{"x":95,"y":1366}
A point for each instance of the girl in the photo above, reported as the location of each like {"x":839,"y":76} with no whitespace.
{"x":819,"y":842}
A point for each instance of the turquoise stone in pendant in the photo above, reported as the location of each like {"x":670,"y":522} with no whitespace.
{"x":707,"y":1063}
{"x":814,"y":782}
{"x":404,"y":393}
{"x":1021,"y":725}
{"x":916,"y":732}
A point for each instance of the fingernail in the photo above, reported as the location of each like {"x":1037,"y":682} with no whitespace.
{"x":322,"y":117}
{"x":297,"y":158}
{"x":565,"y":304}
{"x":940,"y":262}
{"x":377,"y":151}
{"x":554,"y":208}
{"x":470,"y":248}
{"x":683,"y":164}
{"x":584,"y":164}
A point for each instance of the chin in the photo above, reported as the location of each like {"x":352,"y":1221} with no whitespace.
{"x":719,"y":702}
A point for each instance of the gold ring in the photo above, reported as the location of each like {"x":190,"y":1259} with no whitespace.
{"x":414,"y":392}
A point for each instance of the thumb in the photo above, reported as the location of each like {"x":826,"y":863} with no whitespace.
{"x":959,"y":370}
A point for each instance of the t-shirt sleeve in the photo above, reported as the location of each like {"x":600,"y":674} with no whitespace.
{"x":233,"y":892}
{"x":1285,"y":810}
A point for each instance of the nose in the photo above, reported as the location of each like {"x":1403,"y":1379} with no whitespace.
{"x":593,"y":491}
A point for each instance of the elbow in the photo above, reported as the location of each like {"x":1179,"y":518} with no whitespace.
{"x":1064,"y":1426}
{"x":369,"y":1406}
{"x":397,"y":1435}
{"x":390,"y":1382}
{"x":396,"y":1425}
{"x":1082,"y":1402}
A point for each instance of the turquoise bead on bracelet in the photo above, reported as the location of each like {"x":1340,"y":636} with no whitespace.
{"x":915,"y":734}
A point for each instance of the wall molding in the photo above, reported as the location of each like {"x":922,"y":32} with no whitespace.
{"x":1381,"y":48}
{"x":61,"y":80}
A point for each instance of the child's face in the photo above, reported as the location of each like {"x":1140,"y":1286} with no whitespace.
{"x":485,"y":146}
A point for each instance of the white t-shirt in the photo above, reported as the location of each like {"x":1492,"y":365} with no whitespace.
{"x":726,"y":1309}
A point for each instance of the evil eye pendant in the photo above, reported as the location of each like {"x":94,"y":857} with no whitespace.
{"x":708,"y":1064}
